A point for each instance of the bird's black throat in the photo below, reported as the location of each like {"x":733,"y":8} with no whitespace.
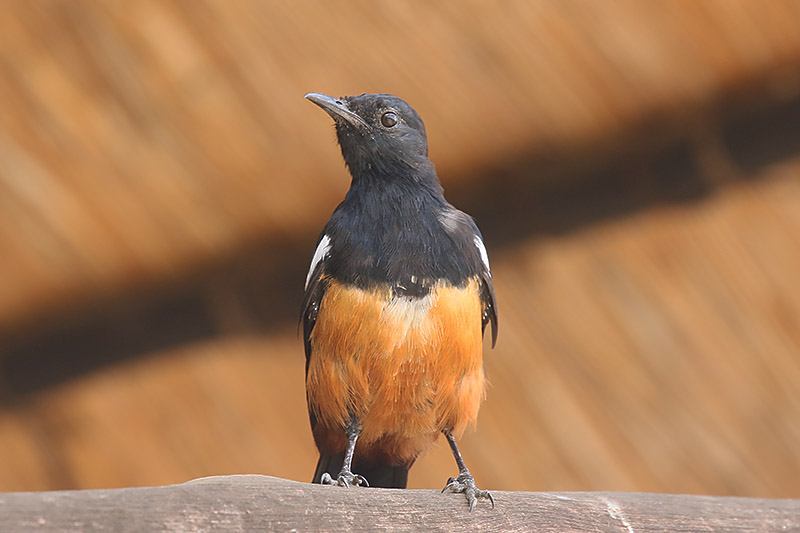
{"x":388,"y":230}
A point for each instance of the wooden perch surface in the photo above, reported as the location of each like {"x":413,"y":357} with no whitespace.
{"x":258,"y":503}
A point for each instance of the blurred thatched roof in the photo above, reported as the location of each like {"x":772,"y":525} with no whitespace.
{"x":138,"y":139}
{"x":633,"y":166}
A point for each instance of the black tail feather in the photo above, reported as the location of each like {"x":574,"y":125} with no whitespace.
{"x":377,"y":475}
{"x":330,"y":463}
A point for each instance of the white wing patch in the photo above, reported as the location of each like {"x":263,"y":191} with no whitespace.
{"x":484,"y":255}
{"x":323,"y":248}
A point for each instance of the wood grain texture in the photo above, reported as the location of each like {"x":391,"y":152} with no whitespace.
{"x":263,"y":503}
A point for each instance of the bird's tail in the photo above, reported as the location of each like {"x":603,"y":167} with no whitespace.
{"x":377,"y":475}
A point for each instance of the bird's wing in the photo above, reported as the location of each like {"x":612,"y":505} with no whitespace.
{"x":316,"y":284}
{"x":489,"y":305}
{"x":465,"y":233}
{"x":488,"y":300}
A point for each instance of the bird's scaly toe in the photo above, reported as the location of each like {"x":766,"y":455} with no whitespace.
{"x":465,"y":484}
{"x":345,"y":479}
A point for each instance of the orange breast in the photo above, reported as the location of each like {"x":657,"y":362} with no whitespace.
{"x":407,"y":367}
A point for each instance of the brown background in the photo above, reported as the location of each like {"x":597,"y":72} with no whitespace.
{"x":634,"y":166}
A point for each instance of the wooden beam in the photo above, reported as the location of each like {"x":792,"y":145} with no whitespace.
{"x":257,"y":503}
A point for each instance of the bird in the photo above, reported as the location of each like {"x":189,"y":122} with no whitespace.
{"x":397,"y":299}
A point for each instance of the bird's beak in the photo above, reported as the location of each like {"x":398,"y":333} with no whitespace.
{"x":337,"y":108}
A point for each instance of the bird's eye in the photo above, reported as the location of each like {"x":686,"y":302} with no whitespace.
{"x":389,"y":119}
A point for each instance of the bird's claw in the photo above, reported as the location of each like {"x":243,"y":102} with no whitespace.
{"x":466,"y":483}
{"x":345,"y":479}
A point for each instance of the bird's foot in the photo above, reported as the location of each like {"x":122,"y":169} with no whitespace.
{"x":346,"y":479}
{"x":466,"y":483}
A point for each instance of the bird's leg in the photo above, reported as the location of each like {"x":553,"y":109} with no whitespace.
{"x":464,"y":482}
{"x":346,"y":476}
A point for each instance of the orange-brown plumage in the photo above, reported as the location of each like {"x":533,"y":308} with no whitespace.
{"x":408,"y":368}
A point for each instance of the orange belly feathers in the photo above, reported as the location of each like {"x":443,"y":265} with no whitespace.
{"x":407,"y":367}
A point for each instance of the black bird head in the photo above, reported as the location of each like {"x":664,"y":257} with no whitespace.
{"x":379,"y":134}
